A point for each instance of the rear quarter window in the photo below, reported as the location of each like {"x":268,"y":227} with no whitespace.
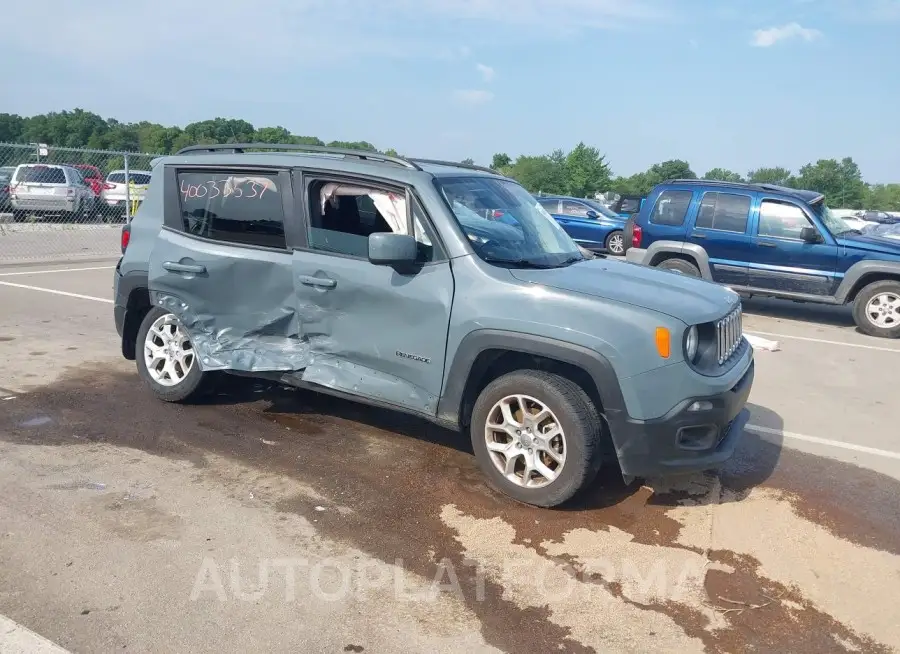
{"x":671,"y":208}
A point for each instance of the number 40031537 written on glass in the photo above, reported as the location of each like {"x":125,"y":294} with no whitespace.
{"x":213,"y":188}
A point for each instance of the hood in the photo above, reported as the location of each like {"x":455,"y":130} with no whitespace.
{"x":689,"y":299}
{"x":870,"y":241}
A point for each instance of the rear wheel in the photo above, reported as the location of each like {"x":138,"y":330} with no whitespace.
{"x":876,"y":309}
{"x":537,"y":437}
{"x":166,"y":360}
{"x":615,"y":243}
{"x":680,"y":266}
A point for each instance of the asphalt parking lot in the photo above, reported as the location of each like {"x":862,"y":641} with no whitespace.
{"x":279,"y":520}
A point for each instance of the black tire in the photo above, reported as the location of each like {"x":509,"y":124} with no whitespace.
{"x":578,"y":417}
{"x":194,"y":385}
{"x":620,"y":251}
{"x":680,"y":266}
{"x":864,"y":324}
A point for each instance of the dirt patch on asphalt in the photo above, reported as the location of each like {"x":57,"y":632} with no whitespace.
{"x":413,"y":496}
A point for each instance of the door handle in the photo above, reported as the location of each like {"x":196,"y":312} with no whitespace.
{"x":321,"y":282}
{"x":696,"y":235}
{"x":194,"y":268}
{"x":763,"y":244}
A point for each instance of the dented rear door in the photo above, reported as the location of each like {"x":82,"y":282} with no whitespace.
{"x":222,"y":265}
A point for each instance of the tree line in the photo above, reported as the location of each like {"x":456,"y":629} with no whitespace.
{"x":581,"y":172}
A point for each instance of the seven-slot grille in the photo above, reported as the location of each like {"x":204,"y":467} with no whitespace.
{"x":729,"y":333}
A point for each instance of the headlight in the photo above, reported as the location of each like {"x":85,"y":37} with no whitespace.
{"x":691,"y":344}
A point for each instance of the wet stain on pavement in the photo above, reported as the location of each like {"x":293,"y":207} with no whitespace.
{"x":397,"y":498}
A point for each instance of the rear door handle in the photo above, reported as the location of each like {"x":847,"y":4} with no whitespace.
{"x":763,"y":244}
{"x":194,"y":268}
{"x":321,"y":282}
{"x":696,"y":235}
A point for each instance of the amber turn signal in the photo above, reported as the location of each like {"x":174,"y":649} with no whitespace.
{"x":663,"y":342}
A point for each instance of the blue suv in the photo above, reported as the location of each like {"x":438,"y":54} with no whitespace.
{"x":761,"y":239}
{"x":591,"y":224}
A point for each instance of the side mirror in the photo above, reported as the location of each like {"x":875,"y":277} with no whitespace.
{"x":811,"y":235}
{"x":387,"y":249}
{"x":593,"y":215}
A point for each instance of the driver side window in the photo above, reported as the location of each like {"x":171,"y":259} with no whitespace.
{"x":781,"y":220}
{"x":343,"y":215}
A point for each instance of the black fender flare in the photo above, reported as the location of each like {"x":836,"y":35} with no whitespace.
{"x":854,"y":278}
{"x":476,"y":342}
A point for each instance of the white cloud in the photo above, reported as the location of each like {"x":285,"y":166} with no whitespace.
{"x":473,"y":97}
{"x":768,"y":37}
{"x":486,"y":72}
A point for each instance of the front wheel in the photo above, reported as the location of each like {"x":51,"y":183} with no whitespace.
{"x":537,"y":437}
{"x":615,"y":243}
{"x":876,"y":310}
{"x":166,"y":360}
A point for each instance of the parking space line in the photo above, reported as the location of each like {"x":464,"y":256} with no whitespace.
{"x":58,"y":270}
{"x":823,"y":341}
{"x":824,"y":441}
{"x":55,"y":292}
{"x":15,"y":637}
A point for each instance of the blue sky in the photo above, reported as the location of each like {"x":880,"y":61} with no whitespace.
{"x":731,"y":83}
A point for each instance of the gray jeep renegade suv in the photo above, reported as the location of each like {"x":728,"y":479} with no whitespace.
{"x":437,"y":289}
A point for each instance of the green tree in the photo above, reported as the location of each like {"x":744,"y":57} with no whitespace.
{"x":468,"y":162}
{"x":11,"y":127}
{"x":540,"y":173}
{"x":672,"y":169}
{"x":723,"y":175}
{"x":883,"y":197}
{"x":353,"y":145}
{"x":778,"y":176}
{"x":840,"y":182}
{"x":586,"y":171}
{"x":273,"y":135}
{"x":500,"y":161}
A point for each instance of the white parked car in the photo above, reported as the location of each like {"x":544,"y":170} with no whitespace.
{"x":114,"y":189}
{"x":50,"y":189}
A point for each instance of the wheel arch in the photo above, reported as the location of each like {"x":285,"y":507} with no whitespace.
{"x":862,"y":274}
{"x":659,"y":251}
{"x":483,"y":355}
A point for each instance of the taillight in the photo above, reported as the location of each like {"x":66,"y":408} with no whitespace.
{"x":126,"y":237}
{"x":107,"y":187}
{"x":636,"y":234}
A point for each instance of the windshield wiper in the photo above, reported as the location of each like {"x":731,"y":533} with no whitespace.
{"x":521,"y":263}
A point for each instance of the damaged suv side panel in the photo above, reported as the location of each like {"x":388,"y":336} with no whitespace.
{"x":237,"y":301}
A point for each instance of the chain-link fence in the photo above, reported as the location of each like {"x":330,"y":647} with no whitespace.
{"x":63,"y":204}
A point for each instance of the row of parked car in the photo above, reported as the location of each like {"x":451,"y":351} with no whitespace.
{"x":68,"y":191}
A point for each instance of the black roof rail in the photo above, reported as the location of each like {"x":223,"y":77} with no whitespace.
{"x":239,"y":148}
{"x":756,"y":186}
{"x":456,"y":164}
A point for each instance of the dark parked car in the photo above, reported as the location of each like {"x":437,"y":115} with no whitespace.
{"x":761,"y":239}
{"x":6,"y":173}
{"x":627,"y":205}
{"x":591,"y":224}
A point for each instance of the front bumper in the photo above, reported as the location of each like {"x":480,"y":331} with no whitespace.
{"x":685,"y":440}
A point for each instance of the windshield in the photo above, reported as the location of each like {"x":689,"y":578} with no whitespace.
{"x":506,"y":224}
{"x":833,"y":223}
{"x":602,"y":209}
